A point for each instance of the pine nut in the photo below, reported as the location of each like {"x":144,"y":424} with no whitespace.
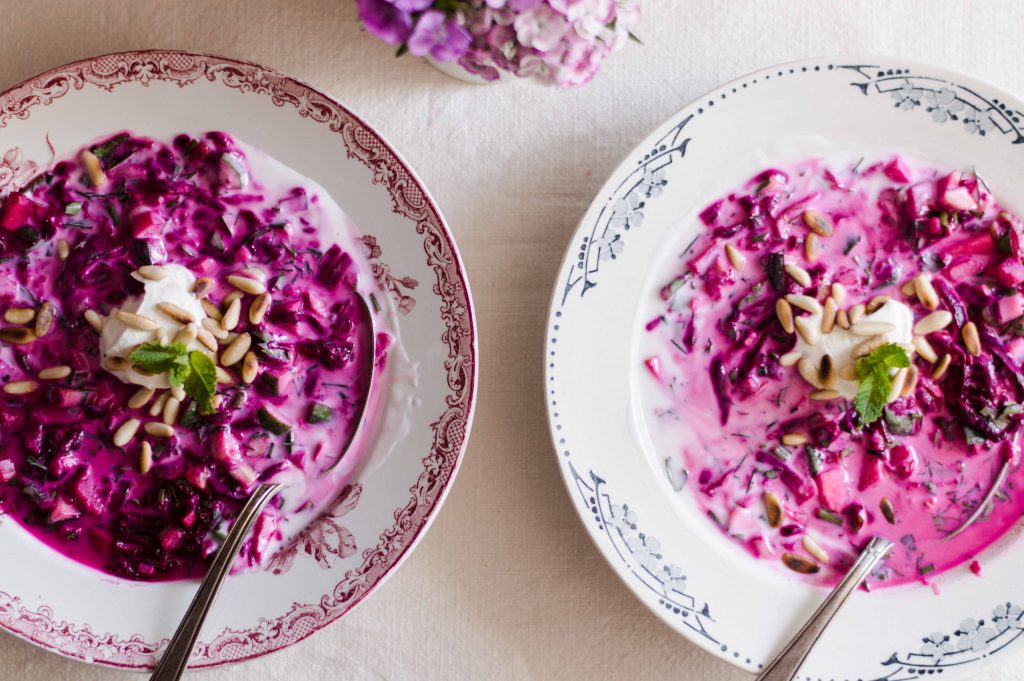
{"x":805,"y":303}
{"x":794,"y":439}
{"x":230,"y":298}
{"x":785,"y":314}
{"x":868,"y":346}
{"x":215,"y":329}
{"x":817,"y":223}
{"x":827,"y":372}
{"x":828,"y":316}
{"x":159,"y":429}
{"x":21,"y":387}
{"x":177,"y":313}
{"x":773,"y":509}
{"x":216,"y":401}
{"x":211,"y":309}
{"x":203,"y":287}
{"x":799,"y":274}
{"x":19,"y":315}
{"x":855,"y":313}
{"x":926,"y":292}
{"x":809,"y":372}
{"x":229,"y":338}
{"x":940,"y":367}
{"x":17,"y":335}
{"x":115,"y":363}
{"x":824,"y":395}
{"x":246,"y":284}
{"x":126,"y":432}
{"x":871,"y":328}
{"x":63,"y":249}
{"x":896,"y":387}
{"x":170,"y":413}
{"x":258,"y":309}
{"x":145,"y":457}
{"x":913,"y":375}
{"x":848,"y":373}
{"x":158,"y":406}
{"x":231,"y":316}
{"x":736,"y":259}
{"x":44,"y":319}
{"x":250,"y":368}
{"x":94,"y":319}
{"x":141,"y":397}
{"x":790,"y":359}
{"x":932,"y":322}
{"x":177,"y":393}
{"x":224,"y":377}
{"x":839,"y":293}
{"x":207,"y":339}
{"x":93,"y":169}
{"x":136,"y":321}
{"x":187,"y":334}
{"x":925,"y":349}
{"x":971,"y":340}
{"x":812,"y":247}
{"x":152,"y":272}
{"x":55,"y":373}
{"x":842,"y":319}
{"x":877,"y":302}
{"x":236,"y":350}
{"x":909,"y":289}
{"x":799,"y":564}
{"x":814,"y":549}
{"x":807,"y":331}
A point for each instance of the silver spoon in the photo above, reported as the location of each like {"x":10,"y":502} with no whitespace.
{"x":979,"y":510}
{"x":175,"y":659}
{"x":786,"y":664}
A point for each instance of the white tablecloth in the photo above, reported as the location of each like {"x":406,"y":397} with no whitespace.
{"x":506,"y":585}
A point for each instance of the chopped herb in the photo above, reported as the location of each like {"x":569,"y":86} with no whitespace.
{"x":925,"y":569}
{"x":851,"y":244}
{"x":815,"y":458}
{"x":103,"y":150}
{"x":216,"y":242}
{"x":781,"y":453}
{"x":375,"y":304}
{"x":829,"y":517}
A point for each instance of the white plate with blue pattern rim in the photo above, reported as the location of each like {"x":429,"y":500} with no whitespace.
{"x":636,"y":509}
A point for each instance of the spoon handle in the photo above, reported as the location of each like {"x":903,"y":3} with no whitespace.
{"x":786,"y":664}
{"x":175,"y":659}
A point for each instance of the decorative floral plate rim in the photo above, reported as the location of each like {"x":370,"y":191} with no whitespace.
{"x":655,"y":570}
{"x":411,"y":202}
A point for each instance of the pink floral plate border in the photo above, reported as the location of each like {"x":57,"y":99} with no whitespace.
{"x":327,"y":537}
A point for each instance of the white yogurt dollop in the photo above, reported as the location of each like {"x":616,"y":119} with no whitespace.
{"x":841,"y":342}
{"x":119,"y":339}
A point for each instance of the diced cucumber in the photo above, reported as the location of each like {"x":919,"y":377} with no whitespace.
{"x":273,"y":421}
{"x":319,"y":413}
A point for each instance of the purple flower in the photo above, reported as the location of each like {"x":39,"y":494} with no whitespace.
{"x":442,"y":39}
{"x":386,"y":21}
{"x":412,"y":5}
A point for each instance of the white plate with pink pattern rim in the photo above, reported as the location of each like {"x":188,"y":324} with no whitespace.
{"x":637,"y":511}
{"x":79,"y":612}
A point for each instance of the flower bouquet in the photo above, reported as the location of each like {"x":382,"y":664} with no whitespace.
{"x":558,"y":42}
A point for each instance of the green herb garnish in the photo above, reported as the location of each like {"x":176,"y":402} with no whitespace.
{"x":193,"y":371}
{"x":875,"y":381}
{"x":319,"y":413}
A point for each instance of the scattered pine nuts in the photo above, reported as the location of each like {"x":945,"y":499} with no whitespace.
{"x":44,"y":319}
{"x":187,"y":334}
{"x":55,"y":373}
{"x":784,"y":312}
{"x":940,"y":367}
{"x":809,"y":372}
{"x":157,"y":429}
{"x":790,"y":359}
{"x":21,"y":387}
{"x":871,"y":328}
{"x":812,"y":247}
{"x":203,"y":287}
{"x":152,"y":272}
{"x":798,"y":274}
{"x":855,"y":313}
{"x":798,"y":563}
{"x":909,"y":289}
{"x":141,"y":398}
{"x":126,"y":432}
{"x":828,"y":315}
{"x":794,"y":439}
{"x":807,"y":331}
{"x":17,"y":335}
{"x":224,"y":377}
{"x":63,"y":249}
{"x":94,"y":319}
{"x":215,"y":328}
{"x":250,"y":368}
{"x":910,"y":385}
{"x":842,"y":319}
{"x":926,"y":292}
{"x":839,"y":293}
{"x":772,"y":509}
{"x":206,"y":338}
{"x":236,"y":351}
{"x":177,"y":393}
{"x":176,"y":312}
{"x":252,"y":286}
{"x":258,"y":309}
{"x":876,"y":303}
{"x":145,"y":457}
{"x":19,"y":315}
{"x":868,"y":346}
{"x":848,"y":373}
{"x":925,"y":349}
{"x":216,"y":401}
{"x":736,"y":259}
{"x":158,"y":406}
{"x":115,"y":363}
{"x":827,"y":372}
{"x":824,"y":395}
{"x":898,"y":381}
{"x":230,"y":298}
{"x":136,"y":321}
{"x":211,"y":309}
{"x":814,"y":549}
{"x":231,"y":316}
{"x":817,"y":223}
{"x":887,"y":510}
{"x":932,"y":322}
{"x":93,"y":169}
{"x":805,"y":303}
{"x":170,"y":413}
{"x":971,"y":340}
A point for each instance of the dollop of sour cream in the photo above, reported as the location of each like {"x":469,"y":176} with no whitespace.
{"x":118,"y":339}
{"x":841,"y":342}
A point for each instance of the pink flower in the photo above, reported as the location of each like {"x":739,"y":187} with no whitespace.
{"x":541,"y":28}
{"x":442,"y":39}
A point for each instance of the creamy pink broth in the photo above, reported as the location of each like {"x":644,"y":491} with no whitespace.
{"x":729,"y":401}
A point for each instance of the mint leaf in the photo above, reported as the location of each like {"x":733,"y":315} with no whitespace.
{"x":156,"y":358}
{"x":875,"y":381}
{"x":201,"y":381}
{"x":179,"y":371}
